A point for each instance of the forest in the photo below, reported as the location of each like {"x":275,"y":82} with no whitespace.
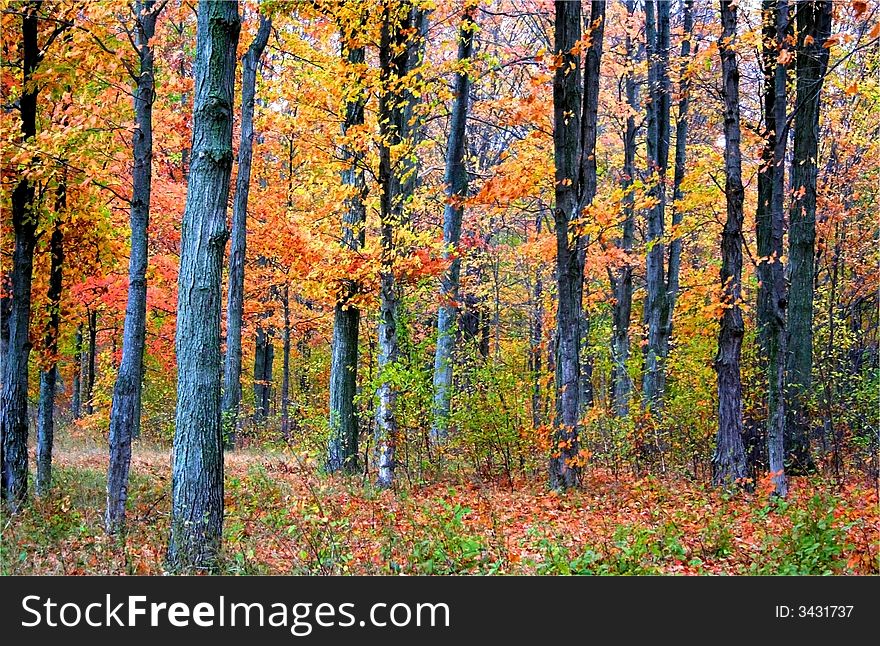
{"x":440,"y":287}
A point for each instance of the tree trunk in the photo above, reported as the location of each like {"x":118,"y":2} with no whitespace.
{"x":342,"y":451}
{"x":574,"y":139}
{"x":285,"y":366}
{"x":813,"y":21}
{"x":729,"y":464}
{"x":567,"y":96}
{"x":75,"y":388}
{"x":456,"y":180}
{"x":536,"y":337}
{"x":197,"y":475}
{"x":681,"y":135}
{"x":264,"y":357}
{"x":769,"y":221}
{"x":238,"y":243}
{"x":49,"y":374}
{"x":92,"y":320}
{"x":394,"y":58}
{"x":125,"y":413}
{"x":13,"y":400}
{"x":657,"y":34}
{"x":621,"y":279}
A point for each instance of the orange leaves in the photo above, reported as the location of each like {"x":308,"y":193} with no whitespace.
{"x":786,"y":56}
{"x":859,"y":8}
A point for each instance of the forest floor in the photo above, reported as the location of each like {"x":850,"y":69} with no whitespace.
{"x":284,"y":517}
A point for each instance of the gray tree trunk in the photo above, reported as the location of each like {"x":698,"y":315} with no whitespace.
{"x":13,"y":399}
{"x":395,"y":56}
{"x":125,"y":413}
{"x":657,"y":34}
{"x":575,"y":108}
{"x":729,"y":463}
{"x":264,"y":358}
{"x":536,"y":337}
{"x":342,"y":450}
{"x":621,"y":279}
{"x":197,"y":471}
{"x":770,"y":223}
{"x":238,"y":240}
{"x":456,"y":181}
{"x":813,"y":21}
{"x":75,"y":388}
{"x":285,"y":364}
{"x":567,"y":97}
{"x":49,"y":375}
{"x":92,"y":321}
{"x":681,"y":136}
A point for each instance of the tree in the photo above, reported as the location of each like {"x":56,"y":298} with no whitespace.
{"x":13,"y":398}
{"x":49,"y":374}
{"x":728,"y":463}
{"x":456,"y":180}
{"x":681,"y":139}
{"x":343,"y":445}
{"x":197,"y":472}
{"x":575,"y":108}
{"x":813,"y":21}
{"x":770,"y":223}
{"x":125,"y":415}
{"x":238,"y":243}
{"x":621,"y":279}
{"x":657,"y":35}
{"x":398,"y":21}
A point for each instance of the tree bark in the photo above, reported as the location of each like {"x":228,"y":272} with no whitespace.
{"x":729,"y":464}
{"x":813,"y":21}
{"x":197,"y":472}
{"x":76,"y":388}
{"x":681,"y":137}
{"x":13,"y":399}
{"x":770,"y":222}
{"x":238,"y":242}
{"x":456,"y":180}
{"x":536,"y":337}
{"x":125,"y":413}
{"x":621,"y":279}
{"x":49,"y":374}
{"x":575,"y":107}
{"x":567,"y":97}
{"x":285,"y":365}
{"x":342,"y":450}
{"x":91,"y":355}
{"x":394,"y":59}
{"x":264,"y":357}
{"x":657,"y":33}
